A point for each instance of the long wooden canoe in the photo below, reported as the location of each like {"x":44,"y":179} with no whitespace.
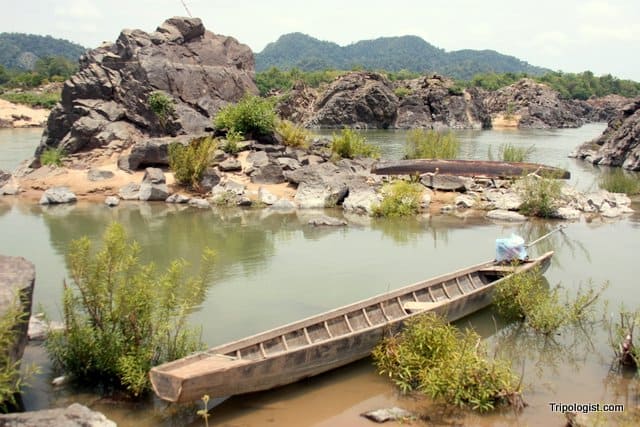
{"x":329,"y":340}
{"x":470,"y":168}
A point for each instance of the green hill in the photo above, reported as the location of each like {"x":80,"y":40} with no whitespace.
{"x":21,"y":51}
{"x":297,"y":50}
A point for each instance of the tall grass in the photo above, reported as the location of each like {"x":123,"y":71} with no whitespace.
{"x":292,"y":134}
{"x":540,"y":196}
{"x":188,"y":163}
{"x":400,"y":198}
{"x":618,"y":181}
{"x":350,"y":144}
{"x":431,"y":144}
{"x":512,"y":153}
{"x":52,"y":157}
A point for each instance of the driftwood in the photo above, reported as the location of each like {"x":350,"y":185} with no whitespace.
{"x":470,"y":168}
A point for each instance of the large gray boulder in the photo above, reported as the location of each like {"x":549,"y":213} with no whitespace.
{"x":57,"y":195}
{"x":17,"y":279}
{"x":619,"y":144}
{"x":107,"y":100}
{"x":151,"y":151}
{"x":75,"y":415}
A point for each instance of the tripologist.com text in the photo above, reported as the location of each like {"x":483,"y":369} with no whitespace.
{"x":585,"y":408}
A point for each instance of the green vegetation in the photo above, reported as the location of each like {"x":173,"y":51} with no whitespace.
{"x":121,"y":316}
{"x":204,"y":412}
{"x":10,"y":381}
{"x":230,"y":145}
{"x":350,"y":144}
{"x":400,"y":198}
{"x":33,"y":98}
{"x":440,"y":361}
{"x":539,"y":195}
{"x":402,"y":91}
{"x":52,"y":156}
{"x":618,"y":181}
{"x":431,"y":144}
{"x":512,"y":153}
{"x":162,"y":105}
{"x":188,"y":163}
{"x":284,"y":80}
{"x":22,"y":51}
{"x":526,"y":297}
{"x":292,"y":134}
{"x":252,"y":115}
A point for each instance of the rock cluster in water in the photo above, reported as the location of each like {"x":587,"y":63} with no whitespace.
{"x":107,"y":101}
{"x":619,"y":144}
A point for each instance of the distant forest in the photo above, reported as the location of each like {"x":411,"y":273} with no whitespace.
{"x":297,"y":50}
{"x":21,"y":51}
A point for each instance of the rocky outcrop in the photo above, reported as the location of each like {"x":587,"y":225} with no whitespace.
{"x":433,"y":102}
{"x":359,"y":100}
{"x":527,"y":104}
{"x":605,"y":108}
{"x":107,"y":100}
{"x":75,"y":415}
{"x":619,"y":144}
{"x":17,"y":279}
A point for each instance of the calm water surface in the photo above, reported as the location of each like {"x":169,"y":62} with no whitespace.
{"x":273,"y":268}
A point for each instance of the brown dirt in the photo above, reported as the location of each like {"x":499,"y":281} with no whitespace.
{"x":502,"y":121}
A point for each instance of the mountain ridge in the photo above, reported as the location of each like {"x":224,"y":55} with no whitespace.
{"x":20,"y":51}
{"x":410,"y":52}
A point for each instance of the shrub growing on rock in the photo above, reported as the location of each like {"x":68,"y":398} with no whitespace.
{"x":52,"y":157}
{"x":350,"y":144}
{"x":162,"y":106}
{"x":188,"y":163}
{"x":251,"y":115}
{"x":540,"y":196}
{"x":431,"y":144}
{"x":122,"y":317}
{"x":292,"y":134}
{"x":440,"y":361}
{"x":400,"y":198}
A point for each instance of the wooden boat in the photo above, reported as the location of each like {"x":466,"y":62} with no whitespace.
{"x":329,"y":340}
{"x":470,"y":168}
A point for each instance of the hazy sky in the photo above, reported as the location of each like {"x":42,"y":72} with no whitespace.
{"x":568,"y":35}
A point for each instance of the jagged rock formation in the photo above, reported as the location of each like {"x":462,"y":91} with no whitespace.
{"x":107,"y":100}
{"x":619,"y":144}
{"x":605,"y":108}
{"x":359,"y":99}
{"x":533,"y":105}
{"x":433,"y":102}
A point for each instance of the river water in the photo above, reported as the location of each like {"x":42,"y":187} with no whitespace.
{"x":273,"y":268}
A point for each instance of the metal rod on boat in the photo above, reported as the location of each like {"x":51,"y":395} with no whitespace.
{"x":558,"y":228}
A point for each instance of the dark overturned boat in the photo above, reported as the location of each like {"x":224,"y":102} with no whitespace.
{"x":470,"y":168}
{"x":329,"y":340}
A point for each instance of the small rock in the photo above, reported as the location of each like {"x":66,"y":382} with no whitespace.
{"x":266,"y":197}
{"x":99,"y":175}
{"x":288,"y":163}
{"x":389,"y":414}
{"x":283,"y":205}
{"x":57,"y":195}
{"x":503,"y":215}
{"x":567,"y":213}
{"x":131,"y":191}
{"x":199,"y":203}
{"x":112,"y":201}
{"x":153,"y":176}
{"x":75,"y":415}
{"x":153,"y":192}
{"x":59,"y":381}
{"x":447,"y":209}
{"x":465,"y":201}
{"x":178,"y":198}
{"x":230,"y":165}
{"x":327,"y":220}
{"x":244,"y":201}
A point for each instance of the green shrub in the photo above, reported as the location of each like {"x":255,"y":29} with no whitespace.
{"x":292,"y":134}
{"x":431,"y":144}
{"x":526,"y":297}
{"x":402,"y":91}
{"x":251,"y":115}
{"x":11,"y":383}
{"x":539,"y":195}
{"x":33,"y":99}
{"x":52,"y":157}
{"x":440,"y":361}
{"x":350,"y":144}
{"x":617,"y":181}
{"x":511,"y":153}
{"x":230,"y":145}
{"x":400,"y":198}
{"x":121,"y":317}
{"x":188,"y":163}
{"x":162,"y":106}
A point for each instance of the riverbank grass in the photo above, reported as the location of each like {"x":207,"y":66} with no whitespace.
{"x":52,"y":156}
{"x":188,"y":163}
{"x":400,"y":198}
{"x":349,"y":144}
{"x":431,"y":144}
{"x":540,"y":195}
{"x":618,"y":181}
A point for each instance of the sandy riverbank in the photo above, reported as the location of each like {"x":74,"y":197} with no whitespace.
{"x":21,"y":116}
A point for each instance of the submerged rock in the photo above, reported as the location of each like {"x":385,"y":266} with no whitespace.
{"x":389,"y":414}
{"x":75,"y":415}
{"x":327,"y":220}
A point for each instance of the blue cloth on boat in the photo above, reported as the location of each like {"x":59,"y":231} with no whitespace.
{"x":510,"y":248}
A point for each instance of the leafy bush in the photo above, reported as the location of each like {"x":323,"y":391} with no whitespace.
{"x":400,"y":198}
{"x":350,"y":144}
{"x":431,"y":145}
{"x":251,"y":115}
{"x":188,"y":163}
{"x":11,"y":383}
{"x":121,"y":317}
{"x":617,"y":181}
{"x":540,"y":195}
{"x":292,"y":134}
{"x":526,"y":297}
{"x":438,"y":360}
{"x":162,"y":106}
{"x":402,"y":91}
{"x":33,"y":99}
{"x":230,"y":145}
{"x":52,"y":156}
